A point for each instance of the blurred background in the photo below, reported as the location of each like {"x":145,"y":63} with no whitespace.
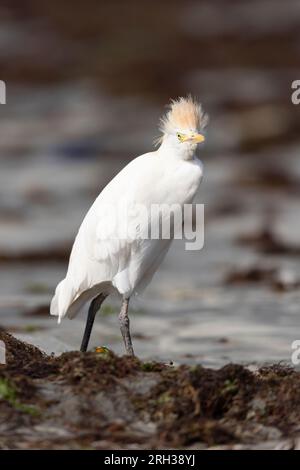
{"x":86,"y":85}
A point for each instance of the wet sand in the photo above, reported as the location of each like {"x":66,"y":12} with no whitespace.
{"x":97,"y":400}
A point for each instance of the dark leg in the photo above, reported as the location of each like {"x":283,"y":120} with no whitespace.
{"x":93,"y":309}
{"x":124,"y":324}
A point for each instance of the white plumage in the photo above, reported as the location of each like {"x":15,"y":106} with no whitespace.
{"x":105,"y":257}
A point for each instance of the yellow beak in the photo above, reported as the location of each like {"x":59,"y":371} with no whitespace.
{"x":195,"y":138}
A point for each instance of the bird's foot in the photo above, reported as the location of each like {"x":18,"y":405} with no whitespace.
{"x":129,"y":350}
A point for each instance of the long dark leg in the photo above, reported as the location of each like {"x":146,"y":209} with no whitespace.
{"x":93,"y":309}
{"x":125,"y":330}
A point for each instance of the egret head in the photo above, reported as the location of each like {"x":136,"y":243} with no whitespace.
{"x":182,"y":126}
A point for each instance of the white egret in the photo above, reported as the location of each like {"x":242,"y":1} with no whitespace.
{"x":102,"y":260}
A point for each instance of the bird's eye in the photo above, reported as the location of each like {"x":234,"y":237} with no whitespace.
{"x":180,"y":136}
